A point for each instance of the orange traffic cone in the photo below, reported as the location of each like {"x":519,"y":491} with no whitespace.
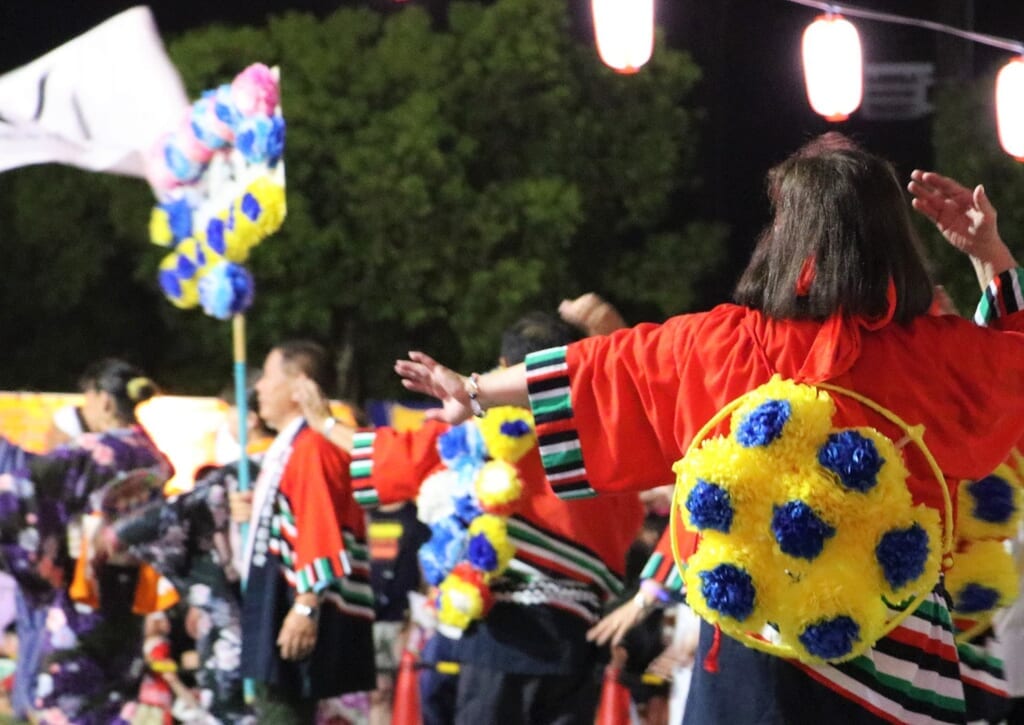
{"x":406,"y":710}
{"x":613,"y":709}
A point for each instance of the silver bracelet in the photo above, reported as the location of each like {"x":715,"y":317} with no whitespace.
{"x":474,"y":395}
{"x":328,"y":426}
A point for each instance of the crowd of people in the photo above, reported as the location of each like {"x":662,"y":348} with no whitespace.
{"x":516,"y":544}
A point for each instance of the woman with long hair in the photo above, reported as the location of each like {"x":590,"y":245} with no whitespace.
{"x":837,"y":293}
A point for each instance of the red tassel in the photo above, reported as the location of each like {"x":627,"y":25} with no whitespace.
{"x":613,"y":708}
{"x":711,"y":658}
{"x":406,"y":708}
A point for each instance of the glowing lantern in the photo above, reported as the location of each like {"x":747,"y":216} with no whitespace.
{"x":624,"y":30}
{"x":833,"y":67}
{"x":1010,"y":107}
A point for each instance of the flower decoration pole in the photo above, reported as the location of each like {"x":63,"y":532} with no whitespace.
{"x":241,"y":404}
{"x":220,"y":183}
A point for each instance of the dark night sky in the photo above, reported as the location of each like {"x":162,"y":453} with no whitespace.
{"x":748,"y":50}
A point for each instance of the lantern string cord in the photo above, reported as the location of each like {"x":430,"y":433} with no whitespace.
{"x":1013,"y":46}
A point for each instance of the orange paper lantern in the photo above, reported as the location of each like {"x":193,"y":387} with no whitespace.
{"x":833,"y":68}
{"x":1010,"y":107}
{"x":624,"y":30}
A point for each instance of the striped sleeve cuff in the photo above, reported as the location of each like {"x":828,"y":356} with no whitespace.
{"x":1002,"y":297}
{"x":321,"y":573}
{"x":663,"y":570}
{"x":547,"y":380}
{"x":361,"y":469}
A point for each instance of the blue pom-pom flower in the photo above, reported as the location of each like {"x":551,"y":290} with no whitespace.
{"x":764,"y":424}
{"x":852,"y":457}
{"x":261,"y":139}
{"x":993,"y":499}
{"x":226,"y":290}
{"x":183,"y":169}
{"x":462,"y":445}
{"x":729,"y":590}
{"x":169,"y":283}
{"x":975,"y":598}
{"x":482,"y":553}
{"x":215,"y":236}
{"x":444,"y":549}
{"x":179,"y":218}
{"x":831,"y":638}
{"x":710,"y":506}
{"x":467,"y":508}
{"x":902,"y":554}
{"x":224,"y":108}
{"x":799,"y":531}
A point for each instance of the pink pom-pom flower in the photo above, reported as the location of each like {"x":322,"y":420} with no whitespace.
{"x":255,"y":91}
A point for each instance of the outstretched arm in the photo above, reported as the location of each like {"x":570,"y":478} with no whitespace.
{"x":966,"y":218}
{"x":422,"y":374}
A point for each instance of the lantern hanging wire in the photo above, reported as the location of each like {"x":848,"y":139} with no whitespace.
{"x":1014,"y":46}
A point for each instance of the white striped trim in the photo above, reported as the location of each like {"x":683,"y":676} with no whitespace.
{"x":858,"y":691}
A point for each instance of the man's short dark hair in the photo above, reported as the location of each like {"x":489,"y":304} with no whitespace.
{"x":312,"y":360}
{"x":535,"y":331}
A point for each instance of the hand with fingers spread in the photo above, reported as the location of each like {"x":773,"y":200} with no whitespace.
{"x":965,"y":217}
{"x":422,"y":374}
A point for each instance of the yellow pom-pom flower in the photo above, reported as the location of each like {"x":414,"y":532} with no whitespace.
{"x":160,"y":227}
{"x":787,"y":419}
{"x":182,"y":291}
{"x":983,"y":578}
{"x":727,"y":584}
{"x":270,"y":198}
{"x":498,"y":487}
{"x":463,"y":598}
{"x":489,"y":548}
{"x":990,"y":508}
{"x":831,"y":615}
{"x":508,"y":433}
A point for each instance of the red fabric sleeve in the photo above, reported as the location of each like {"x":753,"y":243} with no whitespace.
{"x":389,"y":466}
{"x":316,"y":489}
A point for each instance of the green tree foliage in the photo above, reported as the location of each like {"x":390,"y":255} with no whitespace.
{"x":440,"y":184}
{"x":967,"y":148}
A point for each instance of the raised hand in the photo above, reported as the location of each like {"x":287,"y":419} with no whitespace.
{"x":422,"y":374}
{"x":966,"y":218}
{"x":316,"y":409}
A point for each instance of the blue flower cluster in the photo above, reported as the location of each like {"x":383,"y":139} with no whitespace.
{"x":764,"y":424}
{"x":799,"y":531}
{"x":444,"y":549}
{"x":710,"y":506}
{"x":902,"y":553}
{"x":226,"y":290}
{"x":261,"y":139}
{"x":853,"y":458}
{"x":993,"y":499}
{"x":461,"y":446}
{"x":729,"y":590}
{"x":831,"y":638}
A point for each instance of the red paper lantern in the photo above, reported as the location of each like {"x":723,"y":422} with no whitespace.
{"x":624,"y":30}
{"x":1010,"y":107}
{"x":833,"y":68}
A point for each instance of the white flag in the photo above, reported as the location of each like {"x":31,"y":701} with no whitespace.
{"x":98,"y":102}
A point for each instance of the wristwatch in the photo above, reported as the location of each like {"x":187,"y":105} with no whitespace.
{"x":305,"y":610}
